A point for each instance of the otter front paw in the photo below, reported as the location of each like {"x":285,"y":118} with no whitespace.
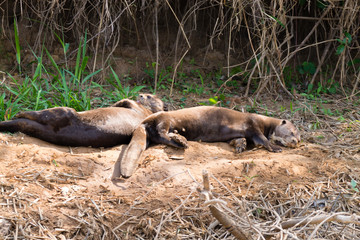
{"x":239,"y":144}
{"x":274,"y":148}
{"x":178,"y":140}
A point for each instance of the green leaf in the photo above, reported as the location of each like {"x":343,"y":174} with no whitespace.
{"x":60,"y":40}
{"x":78,"y":57}
{"x":310,"y":87}
{"x":353,"y":183}
{"x":340,"y":49}
{"x":309,"y":67}
{"x":66,"y":48}
{"x":348,"y":37}
{"x":153,"y":64}
{"x":116,"y":78}
{"x":136,"y":89}
{"x":274,"y":18}
{"x":341,"y":41}
{"x":84,"y":45}
{"x":354,"y":62}
{"x":17,"y":44}
{"x":332,"y":89}
{"x":321,"y":4}
{"x":90,"y":75}
{"x":213,"y":100}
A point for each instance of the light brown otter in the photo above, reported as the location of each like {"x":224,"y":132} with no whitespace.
{"x":207,"y":124}
{"x":103,"y":127}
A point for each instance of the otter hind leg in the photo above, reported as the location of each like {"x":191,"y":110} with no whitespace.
{"x":169,"y":138}
{"x":28,"y":127}
{"x":57,"y":117}
{"x":177,"y":140}
{"x":10,"y":126}
{"x":239,"y":144}
{"x":130,"y":158}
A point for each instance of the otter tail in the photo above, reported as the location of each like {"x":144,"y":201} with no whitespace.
{"x":130,"y":158}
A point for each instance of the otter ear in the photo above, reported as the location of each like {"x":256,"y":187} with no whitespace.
{"x":283,"y":122}
{"x":166,"y":108}
{"x":125,"y":103}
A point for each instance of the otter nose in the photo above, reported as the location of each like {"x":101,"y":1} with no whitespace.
{"x":294,"y":142}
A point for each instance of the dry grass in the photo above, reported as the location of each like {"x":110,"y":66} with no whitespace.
{"x":322,"y":210}
{"x":325,"y":209}
{"x":263,"y":37}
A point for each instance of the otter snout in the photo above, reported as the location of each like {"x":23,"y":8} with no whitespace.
{"x":293,"y":143}
{"x":151,"y":102}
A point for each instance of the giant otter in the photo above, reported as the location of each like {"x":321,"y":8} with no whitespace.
{"x":103,"y":127}
{"x":207,"y":124}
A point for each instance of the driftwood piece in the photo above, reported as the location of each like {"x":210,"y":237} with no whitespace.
{"x":341,"y":217}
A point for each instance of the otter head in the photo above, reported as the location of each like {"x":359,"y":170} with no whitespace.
{"x":286,"y":134}
{"x":152,"y":102}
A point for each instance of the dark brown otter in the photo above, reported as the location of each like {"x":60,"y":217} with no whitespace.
{"x":103,"y":127}
{"x":207,"y":124}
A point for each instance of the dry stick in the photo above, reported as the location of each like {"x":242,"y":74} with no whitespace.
{"x":229,"y":45}
{"x":98,"y":38}
{"x":306,"y":38}
{"x":16,"y":231}
{"x":326,"y":50}
{"x":121,"y":224}
{"x":109,"y":26}
{"x":257,"y":62}
{"x":187,"y":41}
{"x":211,"y":37}
{"x":342,"y":70}
{"x":263,"y":84}
{"x":341,"y":217}
{"x":157,"y":44}
{"x":222,"y":217}
{"x":353,"y":93}
{"x":171,"y":213}
{"x":134,"y":19}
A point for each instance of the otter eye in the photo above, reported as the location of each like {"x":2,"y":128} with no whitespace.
{"x":141,"y":96}
{"x":148,"y":97}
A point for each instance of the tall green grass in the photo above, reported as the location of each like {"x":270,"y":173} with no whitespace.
{"x":115,"y":90}
{"x":53,"y":85}
{"x":17,"y":45}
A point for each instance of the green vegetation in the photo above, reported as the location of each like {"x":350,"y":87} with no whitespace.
{"x":53,"y":85}
{"x":354,"y":185}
